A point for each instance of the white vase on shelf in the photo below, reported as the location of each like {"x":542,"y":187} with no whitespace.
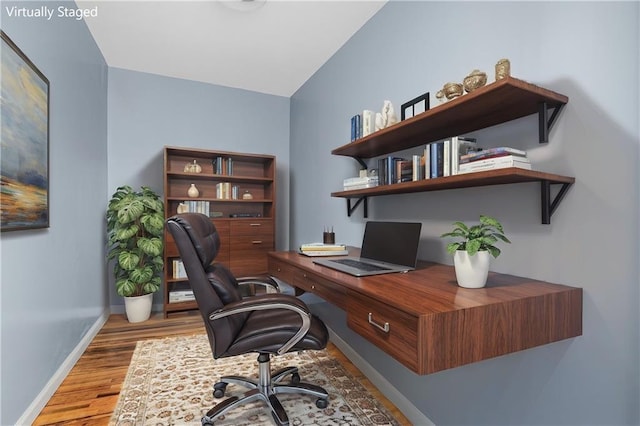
{"x":193,"y":191}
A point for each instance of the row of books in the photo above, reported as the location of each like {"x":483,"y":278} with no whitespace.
{"x":178,"y":269}
{"x":322,"y":249}
{"x":226,"y":191}
{"x":363,"y":124}
{"x":439,"y":159}
{"x":222,"y":165}
{"x":193,"y":206}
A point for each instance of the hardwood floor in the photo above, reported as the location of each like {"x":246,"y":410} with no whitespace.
{"x":89,"y":394}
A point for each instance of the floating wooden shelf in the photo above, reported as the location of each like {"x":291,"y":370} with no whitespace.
{"x":495,"y":103}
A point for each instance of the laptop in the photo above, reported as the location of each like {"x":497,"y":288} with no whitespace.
{"x":387,"y":247}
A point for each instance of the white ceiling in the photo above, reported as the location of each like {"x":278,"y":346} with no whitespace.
{"x":270,"y":46}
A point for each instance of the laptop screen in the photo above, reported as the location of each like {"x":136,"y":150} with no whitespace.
{"x":393,"y":242}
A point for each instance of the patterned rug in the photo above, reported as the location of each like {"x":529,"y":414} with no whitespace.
{"x":170,"y":382}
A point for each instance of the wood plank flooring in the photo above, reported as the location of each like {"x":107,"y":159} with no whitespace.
{"x":89,"y":394}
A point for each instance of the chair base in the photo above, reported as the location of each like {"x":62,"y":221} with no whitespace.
{"x":265,"y":389}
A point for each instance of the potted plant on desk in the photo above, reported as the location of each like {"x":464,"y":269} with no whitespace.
{"x":471,"y":255}
{"x":135,"y":227}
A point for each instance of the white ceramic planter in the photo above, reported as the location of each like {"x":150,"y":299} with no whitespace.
{"x":471,"y":271}
{"x":138,"y":308}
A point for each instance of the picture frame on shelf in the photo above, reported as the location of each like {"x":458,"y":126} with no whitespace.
{"x":414,"y":107}
{"x":24,"y":165}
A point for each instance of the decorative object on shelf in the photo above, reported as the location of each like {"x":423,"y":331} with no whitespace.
{"x":247,"y":196}
{"x":503,"y":69}
{"x":474,"y":80}
{"x":182,"y":208}
{"x":25,"y":142}
{"x":450,"y":91}
{"x":135,"y":231}
{"x":193,"y":191}
{"x":193,"y":167}
{"x":414,"y":107}
{"x":387,"y":117}
{"x":471,"y":255}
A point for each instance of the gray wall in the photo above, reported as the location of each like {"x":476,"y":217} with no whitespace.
{"x":52,"y":286}
{"x":409,"y":48}
{"x":147,"y":112}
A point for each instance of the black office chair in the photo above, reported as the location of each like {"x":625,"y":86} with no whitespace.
{"x":267,"y":323}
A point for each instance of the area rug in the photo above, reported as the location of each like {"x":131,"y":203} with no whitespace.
{"x":170,"y":382}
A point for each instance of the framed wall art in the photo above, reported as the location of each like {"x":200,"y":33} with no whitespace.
{"x":414,"y":107}
{"x":24,"y":133}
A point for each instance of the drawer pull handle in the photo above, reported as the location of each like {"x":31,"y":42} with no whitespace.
{"x":255,"y":224}
{"x":384,"y":327}
{"x":256,"y":242}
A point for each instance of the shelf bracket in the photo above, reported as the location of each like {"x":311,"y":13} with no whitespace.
{"x":549,"y":205}
{"x":545,"y":123}
{"x":350,"y":209}
{"x":361,"y":161}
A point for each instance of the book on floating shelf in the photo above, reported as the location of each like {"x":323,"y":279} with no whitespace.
{"x":502,"y":151}
{"x":495,"y":163}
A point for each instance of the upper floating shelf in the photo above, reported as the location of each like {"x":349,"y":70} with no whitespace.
{"x":495,"y":103}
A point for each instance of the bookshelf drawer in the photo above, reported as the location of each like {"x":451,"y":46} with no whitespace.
{"x":392,"y":330}
{"x":249,"y":263}
{"x":251,"y":227}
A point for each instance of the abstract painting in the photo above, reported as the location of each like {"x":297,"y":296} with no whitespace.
{"x":24,"y":140}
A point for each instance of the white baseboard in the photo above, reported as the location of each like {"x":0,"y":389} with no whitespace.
{"x":29,"y":416}
{"x":410,"y":411}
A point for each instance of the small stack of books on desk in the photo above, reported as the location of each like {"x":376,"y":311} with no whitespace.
{"x":321,"y":249}
{"x":493,"y":158}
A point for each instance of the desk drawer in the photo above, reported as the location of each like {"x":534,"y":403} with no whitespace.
{"x":281,"y":270}
{"x":329,"y":291}
{"x":392,"y":330}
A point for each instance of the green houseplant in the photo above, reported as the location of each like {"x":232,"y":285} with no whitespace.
{"x":135,"y":227}
{"x":471,"y":254}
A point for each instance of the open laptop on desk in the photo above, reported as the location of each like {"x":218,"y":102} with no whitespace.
{"x":387,"y":247}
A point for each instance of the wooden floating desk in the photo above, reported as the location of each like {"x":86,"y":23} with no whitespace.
{"x":425,"y":321}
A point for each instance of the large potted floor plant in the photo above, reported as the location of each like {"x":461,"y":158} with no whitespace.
{"x":135,"y":226}
{"x":471,"y":255}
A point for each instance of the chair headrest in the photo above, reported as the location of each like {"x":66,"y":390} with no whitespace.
{"x":202,"y":233}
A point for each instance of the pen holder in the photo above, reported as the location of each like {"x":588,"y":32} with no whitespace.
{"x":329,"y":237}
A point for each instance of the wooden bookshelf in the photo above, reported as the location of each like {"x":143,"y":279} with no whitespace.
{"x":245,"y":241}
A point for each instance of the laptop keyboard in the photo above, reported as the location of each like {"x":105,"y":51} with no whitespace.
{"x":360,"y":265}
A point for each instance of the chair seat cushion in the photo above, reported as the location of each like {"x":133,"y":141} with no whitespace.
{"x":267,"y":331}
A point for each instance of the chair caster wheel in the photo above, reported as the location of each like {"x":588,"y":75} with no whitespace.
{"x":322,"y":403}
{"x":295,"y":378}
{"x":218,"y":390}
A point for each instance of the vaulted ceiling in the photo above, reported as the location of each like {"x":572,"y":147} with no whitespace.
{"x":268,"y":46}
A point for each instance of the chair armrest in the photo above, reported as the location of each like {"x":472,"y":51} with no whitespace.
{"x":270,"y":301}
{"x":265,"y":281}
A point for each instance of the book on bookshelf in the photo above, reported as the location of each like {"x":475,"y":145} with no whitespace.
{"x":178,"y":269}
{"x":426,"y":158}
{"x":446,"y":157}
{"x":495,"y":163}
